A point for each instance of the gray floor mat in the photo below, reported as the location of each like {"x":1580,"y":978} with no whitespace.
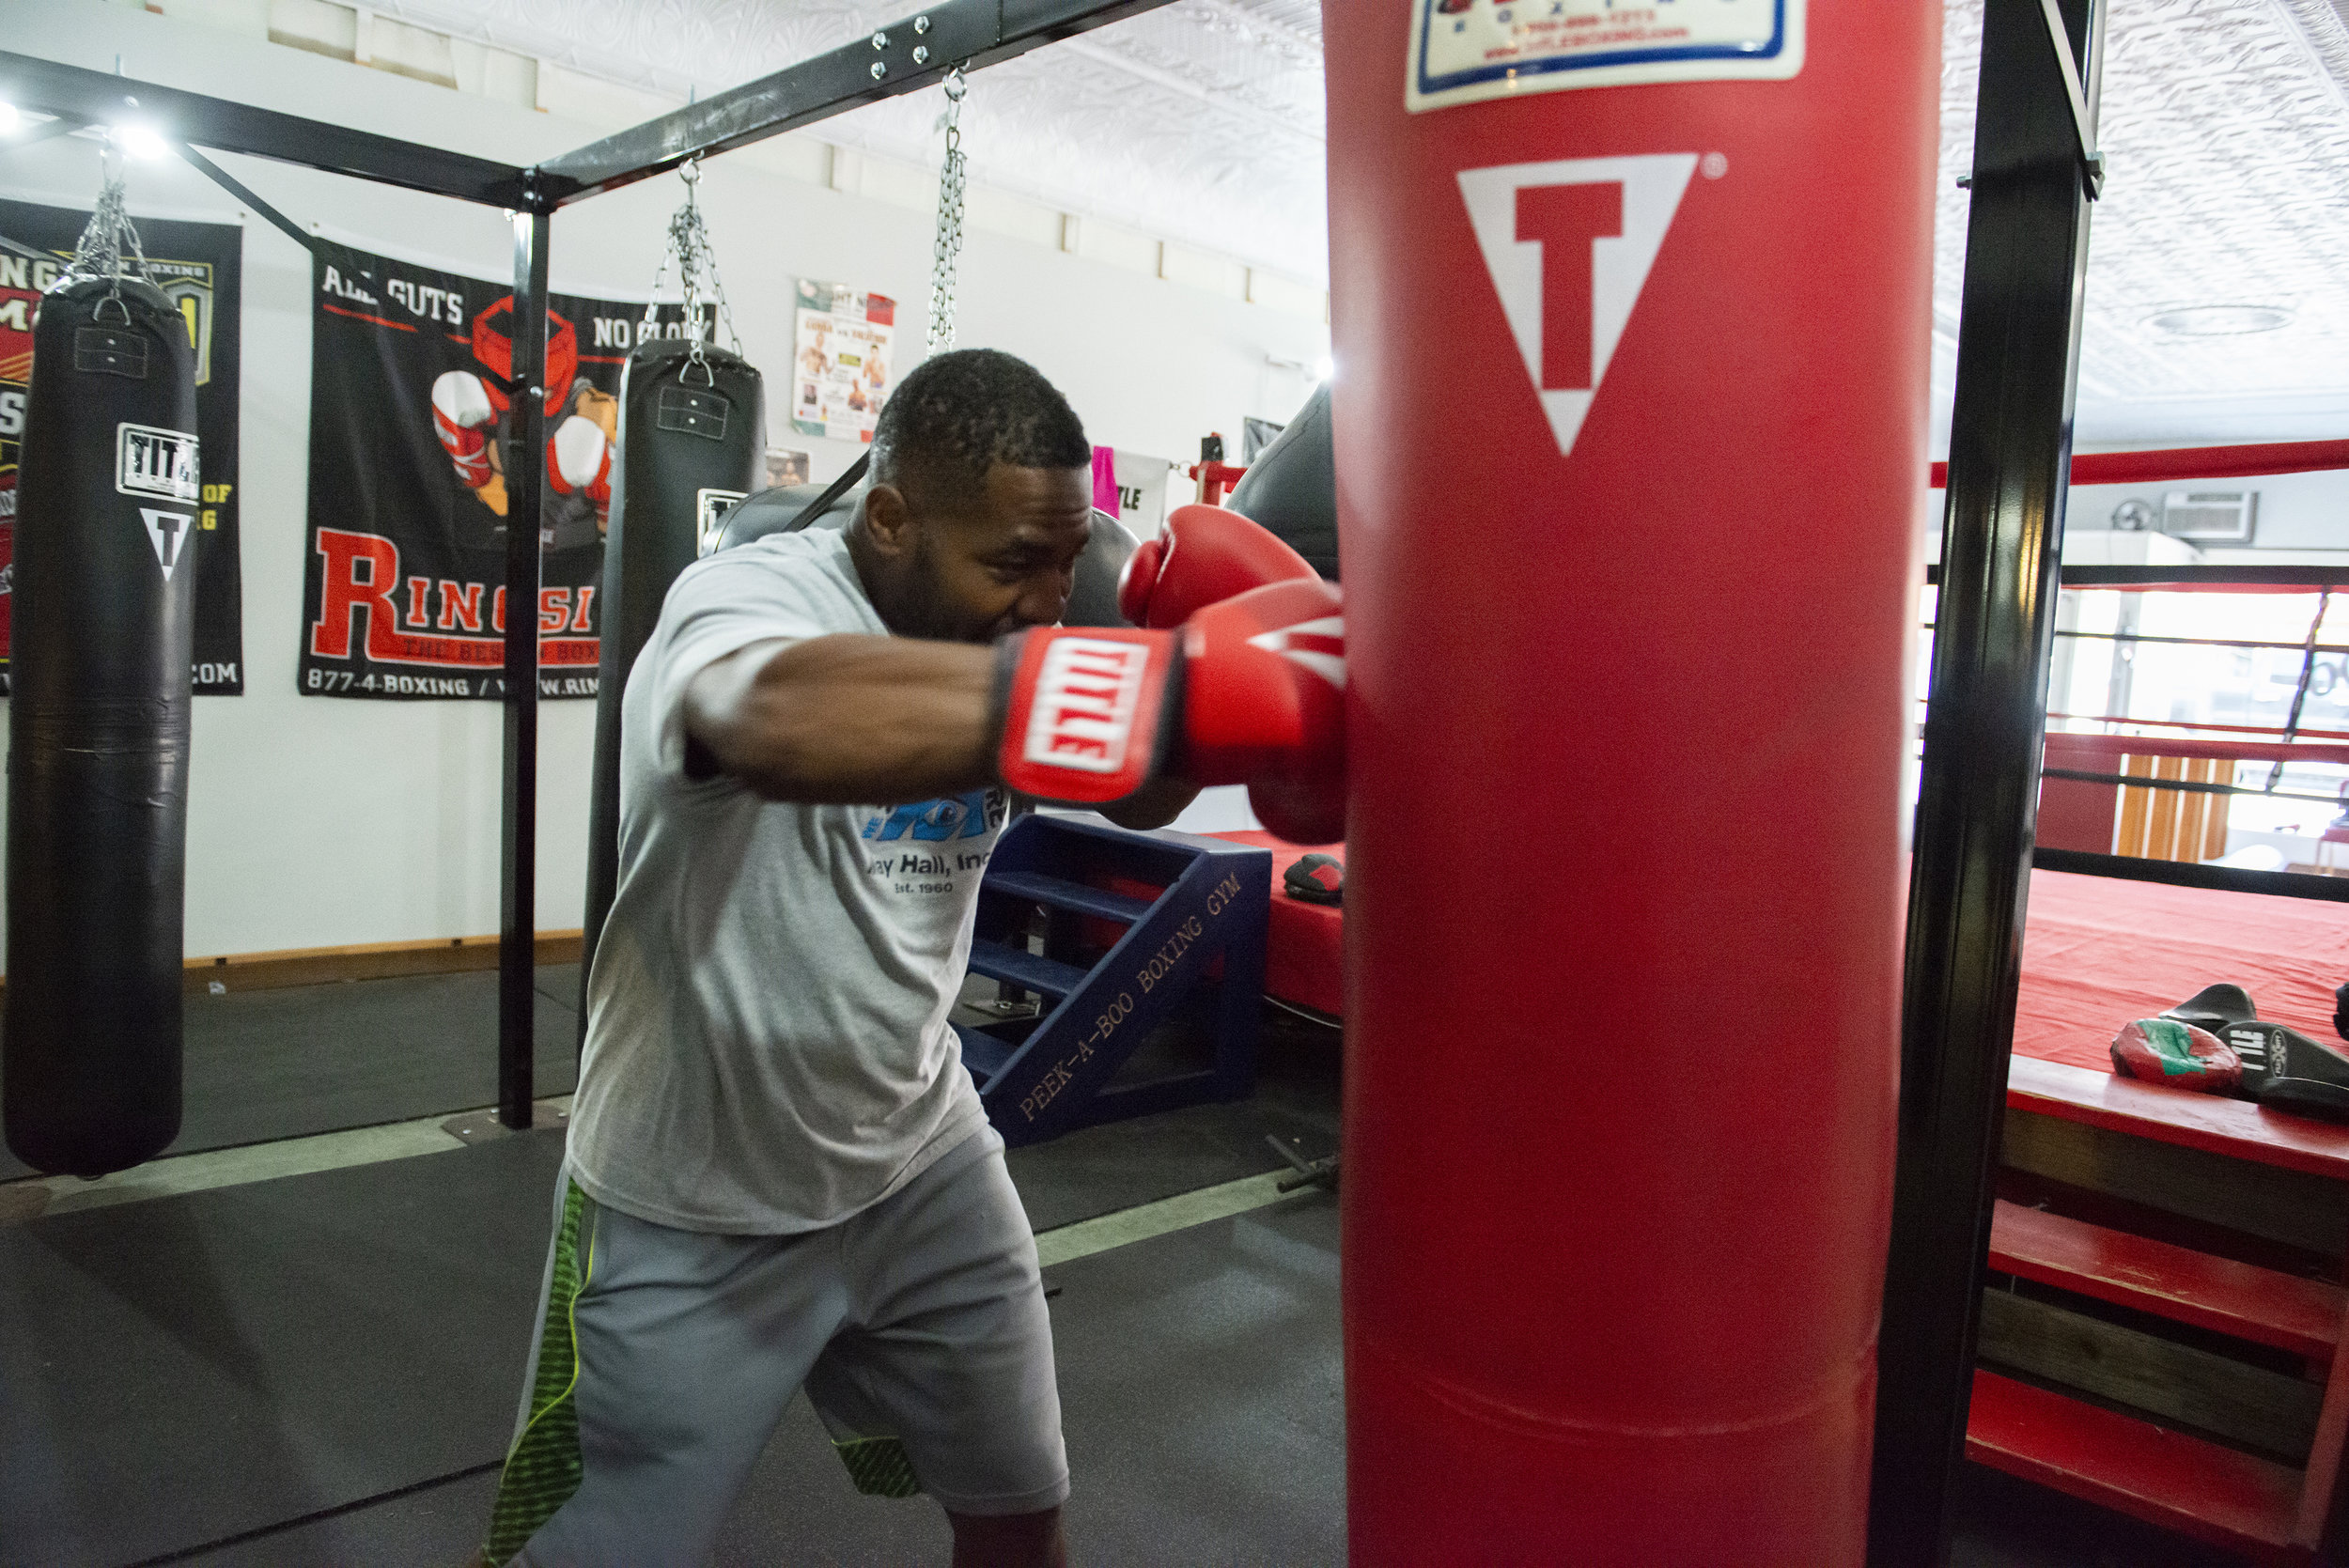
{"x":188,"y":1369}
{"x":262,"y":1065}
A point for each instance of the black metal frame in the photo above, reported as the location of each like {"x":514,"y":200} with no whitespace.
{"x":2188,"y":577}
{"x":2002,"y":540}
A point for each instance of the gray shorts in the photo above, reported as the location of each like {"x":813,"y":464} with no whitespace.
{"x":665,"y":1357}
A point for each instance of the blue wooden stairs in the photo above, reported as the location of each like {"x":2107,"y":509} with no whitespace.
{"x":1116,"y":934}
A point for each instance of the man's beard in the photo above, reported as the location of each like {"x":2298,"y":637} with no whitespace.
{"x":926,"y":609}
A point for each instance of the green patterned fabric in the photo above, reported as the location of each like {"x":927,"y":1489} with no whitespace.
{"x":879,"y":1467}
{"x":542,"y":1469}
{"x":2173,"y":1041}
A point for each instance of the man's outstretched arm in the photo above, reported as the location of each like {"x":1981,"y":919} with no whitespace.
{"x":844,"y":719}
{"x":850,"y":718}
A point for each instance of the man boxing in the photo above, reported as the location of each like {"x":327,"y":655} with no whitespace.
{"x":779,"y":1173}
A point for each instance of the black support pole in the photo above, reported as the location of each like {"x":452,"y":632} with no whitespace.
{"x":525,"y":473}
{"x":2002,"y":535}
{"x":238,"y":189}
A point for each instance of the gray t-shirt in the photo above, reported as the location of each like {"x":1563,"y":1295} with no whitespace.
{"x":768,"y":1048}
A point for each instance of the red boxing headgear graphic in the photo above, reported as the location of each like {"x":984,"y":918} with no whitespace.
{"x":494,"y":346}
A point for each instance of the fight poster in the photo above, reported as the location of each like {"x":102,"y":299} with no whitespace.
{"x":840,"y":341}
{"x":413,"y":388}
{"x":197,"y":266}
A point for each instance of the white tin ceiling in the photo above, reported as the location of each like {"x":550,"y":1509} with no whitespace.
{"x":2225,"y":123}
{"x":1199,"y":122}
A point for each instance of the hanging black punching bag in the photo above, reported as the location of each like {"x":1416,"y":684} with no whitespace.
{"x":693,"y":439}
{"x":98,"y":730}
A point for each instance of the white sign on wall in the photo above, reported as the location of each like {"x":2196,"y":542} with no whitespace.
{"x":1463,"y":50}
{"x":1141,"y":493}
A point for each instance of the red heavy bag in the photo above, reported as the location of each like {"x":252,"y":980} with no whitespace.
{"x":1630,"y":446}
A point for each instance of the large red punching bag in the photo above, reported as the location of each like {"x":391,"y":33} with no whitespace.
{"x":1631,"y":320}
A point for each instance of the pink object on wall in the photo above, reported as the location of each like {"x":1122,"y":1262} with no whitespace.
{"x":1105,"y":479}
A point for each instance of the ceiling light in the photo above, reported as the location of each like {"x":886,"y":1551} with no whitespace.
{"x":8,"y":117}
{"x":1324,"y":368}
{"x":2218,"y":320}
{"x":138,"y":141}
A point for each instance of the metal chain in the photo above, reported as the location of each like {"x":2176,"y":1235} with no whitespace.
{"x":100,"y":251}
{"x":947,"y":251}
{"x":690,"y":248}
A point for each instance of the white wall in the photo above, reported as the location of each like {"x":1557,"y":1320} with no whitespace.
{"x":2300,"y":513}
{"x":315,"y":822}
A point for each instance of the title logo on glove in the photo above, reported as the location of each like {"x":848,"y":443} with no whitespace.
{"x":1082,"y":715}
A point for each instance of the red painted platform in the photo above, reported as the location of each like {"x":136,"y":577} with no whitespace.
{"x":1305,"y":943}
{"x":2166,"y":1478}
{"x":2098,"y":952}
{"x":2215,"y":1124}
{"x":2176,"y":1282}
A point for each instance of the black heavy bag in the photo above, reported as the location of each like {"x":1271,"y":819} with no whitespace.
{"x":693,"y":440}
{"x":98,"y":730}
{"x":1292,"y":487}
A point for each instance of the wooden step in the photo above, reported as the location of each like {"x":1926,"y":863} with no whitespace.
{"x":2303,"y":1317}
{"x":1045,"y":976}
{"x":983,"y":1053}
{"x":2165,"y":1478}
{"x":1063,"y":894}
{"x":2212,"y":1122}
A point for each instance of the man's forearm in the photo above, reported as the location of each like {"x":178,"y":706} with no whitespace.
{"x":848,"y":719}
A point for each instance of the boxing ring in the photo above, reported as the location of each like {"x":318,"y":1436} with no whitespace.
{"x":2097,"y":952}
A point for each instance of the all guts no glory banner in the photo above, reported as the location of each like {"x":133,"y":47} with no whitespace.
{"x":404,"y":595}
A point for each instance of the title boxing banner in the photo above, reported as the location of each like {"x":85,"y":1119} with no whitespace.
{"x":197,"y":266}
{"x":412,"y":387}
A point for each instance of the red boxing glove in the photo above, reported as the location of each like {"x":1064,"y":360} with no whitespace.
{"x":1263,"y":705}
{"x":2172,"y":1051}
{"x":1203,"y":555}
{"x":1083,"y":714}
{"x":579,"y":460}
{"x":1251,"y":692}
{"x":463,"y":414}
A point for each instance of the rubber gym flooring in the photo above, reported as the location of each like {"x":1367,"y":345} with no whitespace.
{"x":323,"y":1368}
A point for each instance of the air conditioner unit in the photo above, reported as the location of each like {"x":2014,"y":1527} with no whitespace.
{"x":2210,"y":517}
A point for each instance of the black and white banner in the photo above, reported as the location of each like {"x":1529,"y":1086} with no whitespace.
{"x":197,"y":266}
{"x":404,"y":596}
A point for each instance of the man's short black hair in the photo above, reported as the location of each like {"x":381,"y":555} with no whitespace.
{"x":958,"y":415}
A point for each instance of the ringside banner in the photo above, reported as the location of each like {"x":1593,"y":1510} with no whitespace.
{"x":412,"y":383}
{"x":197,"y":266}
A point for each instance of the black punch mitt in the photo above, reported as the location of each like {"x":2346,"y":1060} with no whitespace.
{"x":1317,"y":879}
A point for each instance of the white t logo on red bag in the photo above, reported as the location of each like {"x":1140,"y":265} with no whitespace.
{"x":1569,"y":246}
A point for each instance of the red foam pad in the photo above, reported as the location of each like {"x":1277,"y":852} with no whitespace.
{"x":1305,"y":943}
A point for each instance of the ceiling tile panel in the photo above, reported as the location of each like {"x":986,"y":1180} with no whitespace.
{"x":1201,"y":122}
{"x":2227,"y":131}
